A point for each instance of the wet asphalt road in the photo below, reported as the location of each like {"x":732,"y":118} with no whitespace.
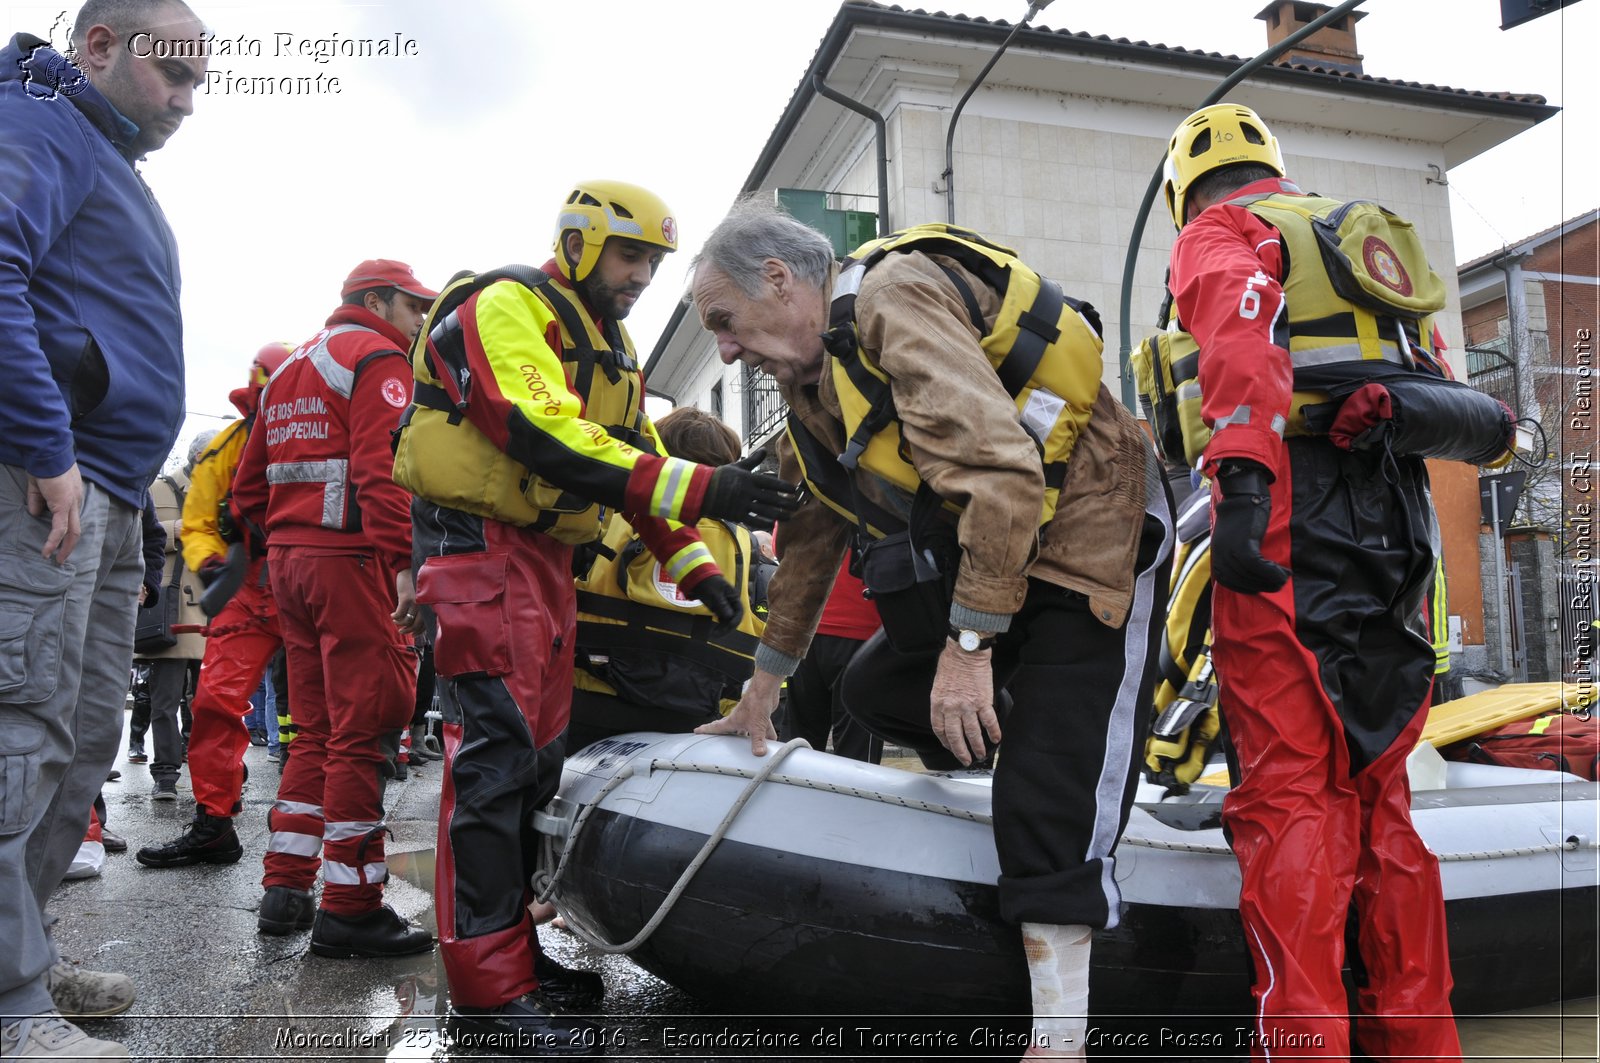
{"x":210,"y":987}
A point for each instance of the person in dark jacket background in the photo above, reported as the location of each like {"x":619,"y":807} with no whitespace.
{"x":92,"y":405}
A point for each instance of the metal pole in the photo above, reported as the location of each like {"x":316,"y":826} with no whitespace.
{"x":1500,"y":580}
{"x":1129,"y":398}
{"x":879,"y":128}
{"x":1034,"y":7}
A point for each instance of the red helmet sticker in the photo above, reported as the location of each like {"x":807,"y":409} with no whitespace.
{"x":1385,"y":266}
{"x":394,"y":392}
{"x":669,"y":230}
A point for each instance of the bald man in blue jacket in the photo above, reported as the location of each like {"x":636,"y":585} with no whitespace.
{"x":93,"y":401}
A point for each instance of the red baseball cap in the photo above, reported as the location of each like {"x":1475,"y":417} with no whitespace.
{"x":385,"y":273}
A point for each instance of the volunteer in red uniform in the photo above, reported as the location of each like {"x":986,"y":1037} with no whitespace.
{"x":1322,"y":558}
{"x":528,"y":431}
{"x":243,"y":636}
{"x":316,"y":478}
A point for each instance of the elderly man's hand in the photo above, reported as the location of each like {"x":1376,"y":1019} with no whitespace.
{"x":753,"y":715}
{"x":962,"y":710}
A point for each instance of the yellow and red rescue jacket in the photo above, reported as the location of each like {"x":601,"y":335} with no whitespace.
{"x":529,"y":411}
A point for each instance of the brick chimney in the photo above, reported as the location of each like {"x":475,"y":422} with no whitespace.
{"x":1333,"y":47}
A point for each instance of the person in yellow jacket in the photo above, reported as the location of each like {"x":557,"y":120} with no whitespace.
{"x":648,"y":656}
{"x":243,"y":638}
{"x":527,"y":429}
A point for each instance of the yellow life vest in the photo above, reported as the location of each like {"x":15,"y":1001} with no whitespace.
{"x":1358,"y":289}
{"x":1045,"y":347}
{"x":442,"y":457}
{"x":641,"y":640}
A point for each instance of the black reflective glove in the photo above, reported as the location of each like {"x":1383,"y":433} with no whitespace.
{"x":227,"y":529}
{"x":222,"y":579}
{"x":1238,"y":525}
{"x":738,"y":492}
{"x":719,"y":596}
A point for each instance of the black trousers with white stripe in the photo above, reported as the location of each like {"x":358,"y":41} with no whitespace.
{"x":1071,"y":739}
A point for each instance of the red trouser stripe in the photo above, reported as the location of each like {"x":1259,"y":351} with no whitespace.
{"x":234,"y":663}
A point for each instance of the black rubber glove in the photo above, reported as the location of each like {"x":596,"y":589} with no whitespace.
{"x":1237,"y":529}
{"x":739,"y":493}
{"x":212,"y":569}
{"x":719,"y":596}
{"x":222,"y":579}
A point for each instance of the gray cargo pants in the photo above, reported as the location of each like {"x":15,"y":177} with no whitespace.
{"x":66,"y":644}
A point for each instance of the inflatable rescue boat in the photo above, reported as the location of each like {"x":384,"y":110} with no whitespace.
{"x":803,"y":883}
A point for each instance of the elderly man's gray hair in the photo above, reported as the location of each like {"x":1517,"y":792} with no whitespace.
{"x":197,"y":447}
{"x":756,"y":230}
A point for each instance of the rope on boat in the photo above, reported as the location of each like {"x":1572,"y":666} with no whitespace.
{"x":1572,"y":844}
{"x":544,"y":883}
{"x":545,"y":888}
{"x":833,"y":788}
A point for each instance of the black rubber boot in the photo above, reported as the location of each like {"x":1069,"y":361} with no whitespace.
{"x":286,"y":911}
{"x":527,"y":1027}
{"x":208,"y":840}
{"x":568,"y":988}
{"x":380,"y":932}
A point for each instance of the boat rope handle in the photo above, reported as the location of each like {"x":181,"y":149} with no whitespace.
{"x":545,"y":889}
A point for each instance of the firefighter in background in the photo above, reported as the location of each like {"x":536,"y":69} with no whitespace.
{"x":1322,"y":558}
{"x":650,"y":658}
{"x":243,"y":638}
{"x":316,"y":479}
{"x":528,"y":428}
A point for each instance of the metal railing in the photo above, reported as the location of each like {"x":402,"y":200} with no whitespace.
{"x":764,"y":408}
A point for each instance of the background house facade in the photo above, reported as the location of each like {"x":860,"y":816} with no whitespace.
{"x":1054,"y":154}
{"x":1528,"y":314}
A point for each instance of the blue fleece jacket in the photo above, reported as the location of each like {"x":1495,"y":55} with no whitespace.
{"x":92,"y":340}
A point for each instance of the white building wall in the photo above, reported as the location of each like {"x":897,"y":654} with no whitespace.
{"x":1060,"y":178}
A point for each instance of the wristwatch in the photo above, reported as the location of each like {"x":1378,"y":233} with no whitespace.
{"x":970,"y":640}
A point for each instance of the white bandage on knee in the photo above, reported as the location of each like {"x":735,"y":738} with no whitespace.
{"x":1058,"y":965}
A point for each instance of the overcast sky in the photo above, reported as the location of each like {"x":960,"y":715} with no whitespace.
{"x":458,"y":155}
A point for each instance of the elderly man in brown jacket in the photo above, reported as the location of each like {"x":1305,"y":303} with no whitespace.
{"x":1051,"y":629}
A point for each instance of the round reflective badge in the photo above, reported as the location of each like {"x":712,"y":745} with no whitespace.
{"x":1384,"y":266}
{"x":668,"y":590}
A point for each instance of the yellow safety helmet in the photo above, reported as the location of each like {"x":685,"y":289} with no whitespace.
{"x":1211,"y":138}
{"x":603,"y":209}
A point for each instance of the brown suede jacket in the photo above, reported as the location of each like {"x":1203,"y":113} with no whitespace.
{"x":967,"y":444}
